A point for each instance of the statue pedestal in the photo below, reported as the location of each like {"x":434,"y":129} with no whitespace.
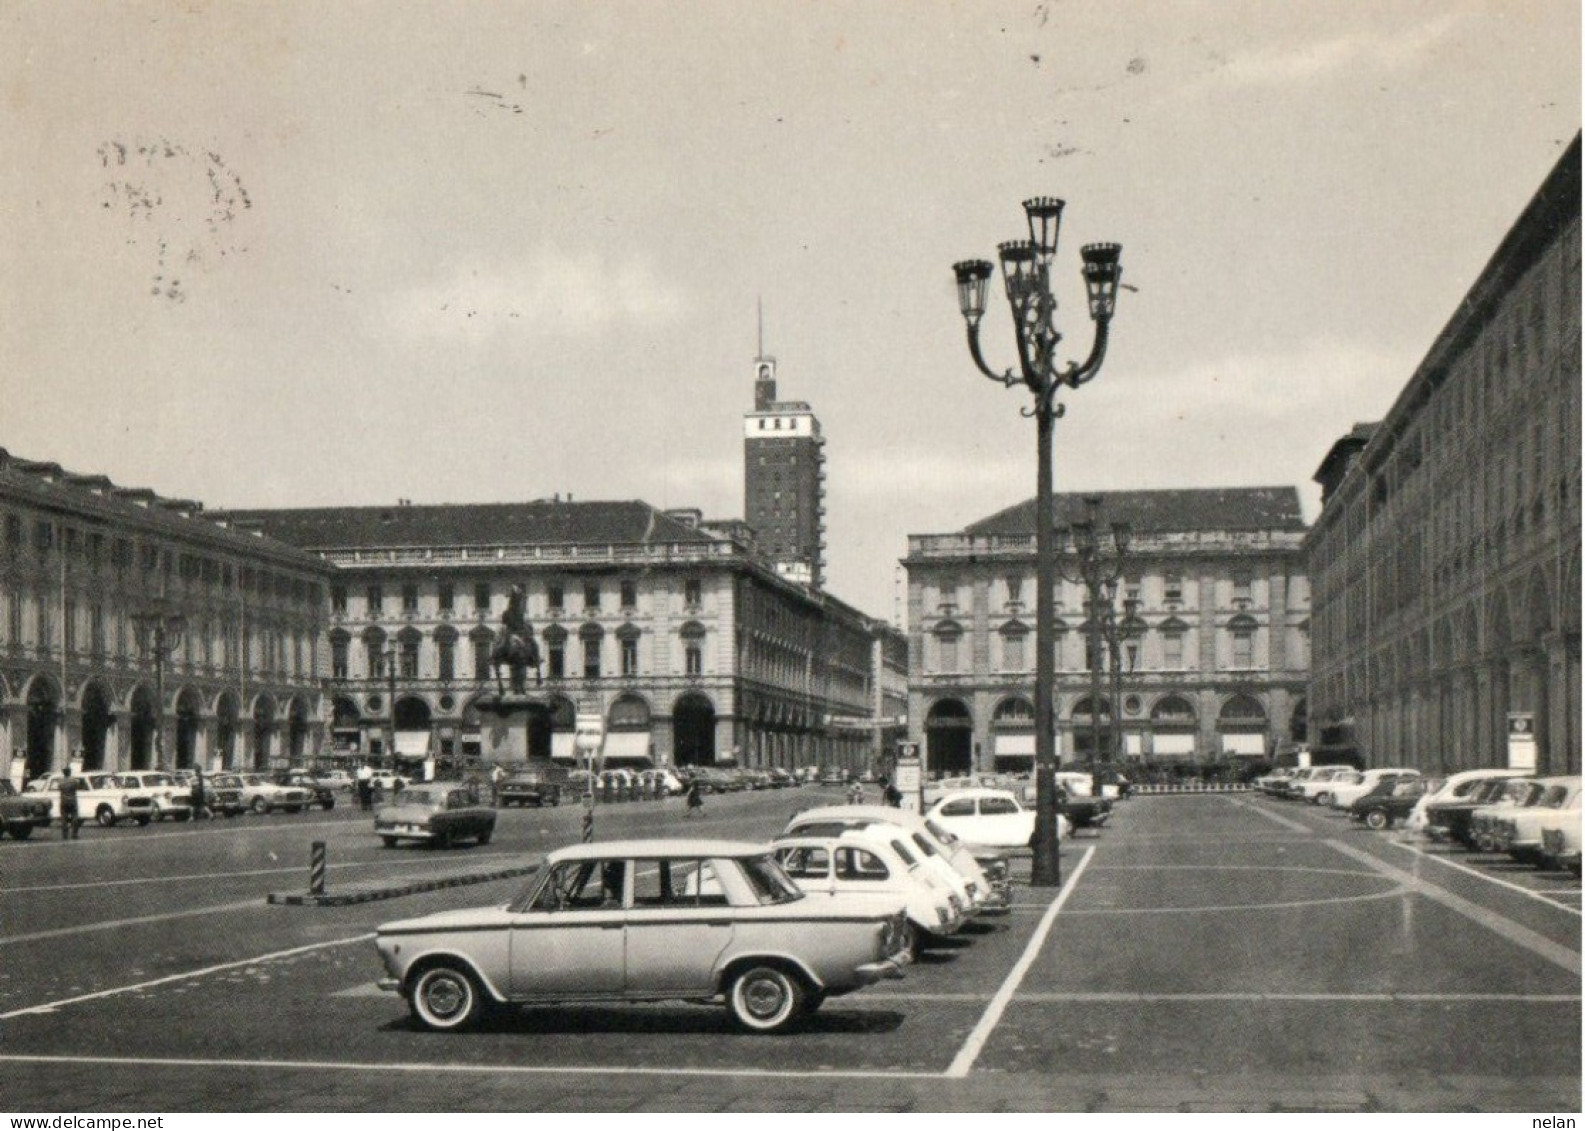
{"x":504,"y":722}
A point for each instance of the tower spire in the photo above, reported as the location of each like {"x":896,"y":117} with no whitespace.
{"x":760,"y":302}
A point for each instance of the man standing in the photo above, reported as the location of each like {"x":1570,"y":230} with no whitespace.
{"x":365,"y":786}
{"x":70,"y":821}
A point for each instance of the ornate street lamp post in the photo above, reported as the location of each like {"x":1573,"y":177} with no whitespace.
{"x":1100,"y":572}
{"x":388,"y":658}
{"x":1026,"y":273}
{"x":158,"y":632}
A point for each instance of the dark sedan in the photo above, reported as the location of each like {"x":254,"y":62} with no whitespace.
{"x":1388,"y":803}
{"x":20,"y":813}
{"x":441,"y":813}
{"x":528,"y":789}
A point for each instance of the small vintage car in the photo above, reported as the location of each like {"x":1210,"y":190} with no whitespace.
{"x":1519,"y":831}
{"x":320,"y":793}
{"x":264,"y":795}
{"x":875,"y":864}
{"x":529,"y":787}
{"x":153,"y":795}
{"x":702,"y":921}
{"x":441,"y":813}
{"x":21,"y":813}
{"x":1389,"y":801}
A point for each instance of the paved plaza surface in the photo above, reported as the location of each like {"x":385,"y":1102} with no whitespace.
{"x":1206,"y":953}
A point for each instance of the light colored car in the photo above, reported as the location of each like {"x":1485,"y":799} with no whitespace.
{"x":438,"y":813}
{"x":992,"y":817}
{"x":1453,"y":789}
{"x":660,"y":782}
{"x":1518,"y":833}
{"x":979,"y":875}
{"x":263,"y":795}
{"x":1354,"y":785}
{"x":859,"y":864}
{"x":1317,"y":787}
{"x":1479,"y":829}
{"x":702,"y":921}
{"x":1561,"y":838}
{"x":153,"y":795}
{"x":102,"y":797}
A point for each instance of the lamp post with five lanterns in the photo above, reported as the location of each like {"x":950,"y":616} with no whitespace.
{"x":1026,"y":274}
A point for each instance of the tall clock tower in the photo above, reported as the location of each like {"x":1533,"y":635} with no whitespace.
{"x":784,"y":479}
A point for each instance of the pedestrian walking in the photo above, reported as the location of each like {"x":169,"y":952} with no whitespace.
{"x":892,"y":795}
{"x":365,"y":787}
{"x":856,"y":794}
{"x":695,"y":799}
{"x":71,"y":822}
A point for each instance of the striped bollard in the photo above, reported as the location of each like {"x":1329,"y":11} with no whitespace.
{"x":316,"y":868}
{"x":588,"y":825}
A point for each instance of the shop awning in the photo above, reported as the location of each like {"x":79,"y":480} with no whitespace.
{"x":624,"y":747}
{"x":412,"y":743}
{"x":1008,"y":745}
{"x":561,"y":746}
{"x":1172,"y":745}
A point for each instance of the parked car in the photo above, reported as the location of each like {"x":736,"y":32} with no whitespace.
{"x":660,"y":782}
{"x":1561,"y":839}
{"x":1357,"y":783}
{"x":1518,"y":833}
{"x":663,"y":920}
{"x":833,"y":776}
{"x":1485,"y":820}
{"x":712,"y":780}
{"x":1316,"y":787}
{"x":1275,"y":783}
{"x":1449,"y":817}
{"x":859,"y":863}
{"x":782,"y":779}
{"x":1455,"y":788}
{"x":440,"y":813}
{"x":1389,"y":802}
{"x":263,"y":795}
{"x":223,"y":793}
{"x":992,"y":817}
{"x":529,"y":787}
{"x":21,"y":813}
{"x":320,"y":793}
{"x":978,"y":874}
{"x":154,"y":795}
{"x":338,"y":780}
{"x":1077,"y":801}
{"x":102,"y":797}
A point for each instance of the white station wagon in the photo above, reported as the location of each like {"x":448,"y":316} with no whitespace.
{"x":648,"y":920}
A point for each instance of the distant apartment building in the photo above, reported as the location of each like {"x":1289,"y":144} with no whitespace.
{"x":1212,"y":609}
{"x":83,"y":564}
{"x":1446,"y":558}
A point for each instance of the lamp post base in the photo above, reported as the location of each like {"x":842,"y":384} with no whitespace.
{"x":1045,"y":869}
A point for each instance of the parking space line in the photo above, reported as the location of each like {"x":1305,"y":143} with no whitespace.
{"x":52,"y":1006}
{"x":1255,"y":996}
{"x":431,"y":1067}
{"x":1498,"y":880}
{"x":969,"y":1053}
{"x":1533,"y":941}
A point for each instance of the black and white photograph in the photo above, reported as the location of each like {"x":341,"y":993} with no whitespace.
{"x":871,"y":557}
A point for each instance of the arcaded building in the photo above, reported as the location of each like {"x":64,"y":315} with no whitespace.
{"x":1211,"y":614}
{"x":689,"y":645}
{"x":82,"y":563}
{"x":1446,"y":558}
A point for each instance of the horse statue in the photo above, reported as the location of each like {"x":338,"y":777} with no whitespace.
{"x":514,"y":646}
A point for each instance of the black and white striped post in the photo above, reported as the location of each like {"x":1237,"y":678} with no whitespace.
{"x":316,"y":868}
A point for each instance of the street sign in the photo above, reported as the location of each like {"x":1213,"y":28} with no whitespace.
{"x":909,"y":782}
{"x":1521,"y":741}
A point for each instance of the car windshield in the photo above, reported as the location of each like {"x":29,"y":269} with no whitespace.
{"x":418,"y":795}
{"x":229,"y":781}
{"x":1554,"y":797}
{"x":940,"y":833}
{"x":768,"y":881}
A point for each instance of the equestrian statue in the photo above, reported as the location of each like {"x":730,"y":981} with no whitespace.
{"x":514,"y":646}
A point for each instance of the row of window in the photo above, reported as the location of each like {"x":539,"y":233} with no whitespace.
{"x":555,"y":657}
{"x":1017,"y":589}
{"x":1017,"y":646}
{"x":555,"y":597}
{"x":97,"y":550}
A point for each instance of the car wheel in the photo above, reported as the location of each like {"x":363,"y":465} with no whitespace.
{"x":1376,"y":819}
{"x":260,"y":806}
{"x":106,"y":816}
{"x":764,"y":999}
{"x":19,"y":832}
{"x":484,"y":837}
{"x":445,"y":998}
{"x":1323,"y":799}
{"x":388,"y":841}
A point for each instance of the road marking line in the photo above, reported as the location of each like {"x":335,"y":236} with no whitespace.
{"x":114,"y":924}
{"x":1395,"y":996}
{"x":1533,"y":941}
{"x":969,"y":1053}
{"x":1510,"y":885}
{"x":473,"y":1069}
{"x":52,"y":1006}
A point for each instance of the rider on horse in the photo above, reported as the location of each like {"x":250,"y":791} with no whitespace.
{"x":514,"y":645}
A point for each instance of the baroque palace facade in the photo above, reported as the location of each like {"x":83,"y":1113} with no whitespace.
{"x":82,"y":563}
{"x":1212,"y":607}
{"x":1446,"y":557}
{"x":687,"y":643}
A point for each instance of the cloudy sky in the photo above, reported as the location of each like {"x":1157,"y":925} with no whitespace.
{"x":300,"y":254}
